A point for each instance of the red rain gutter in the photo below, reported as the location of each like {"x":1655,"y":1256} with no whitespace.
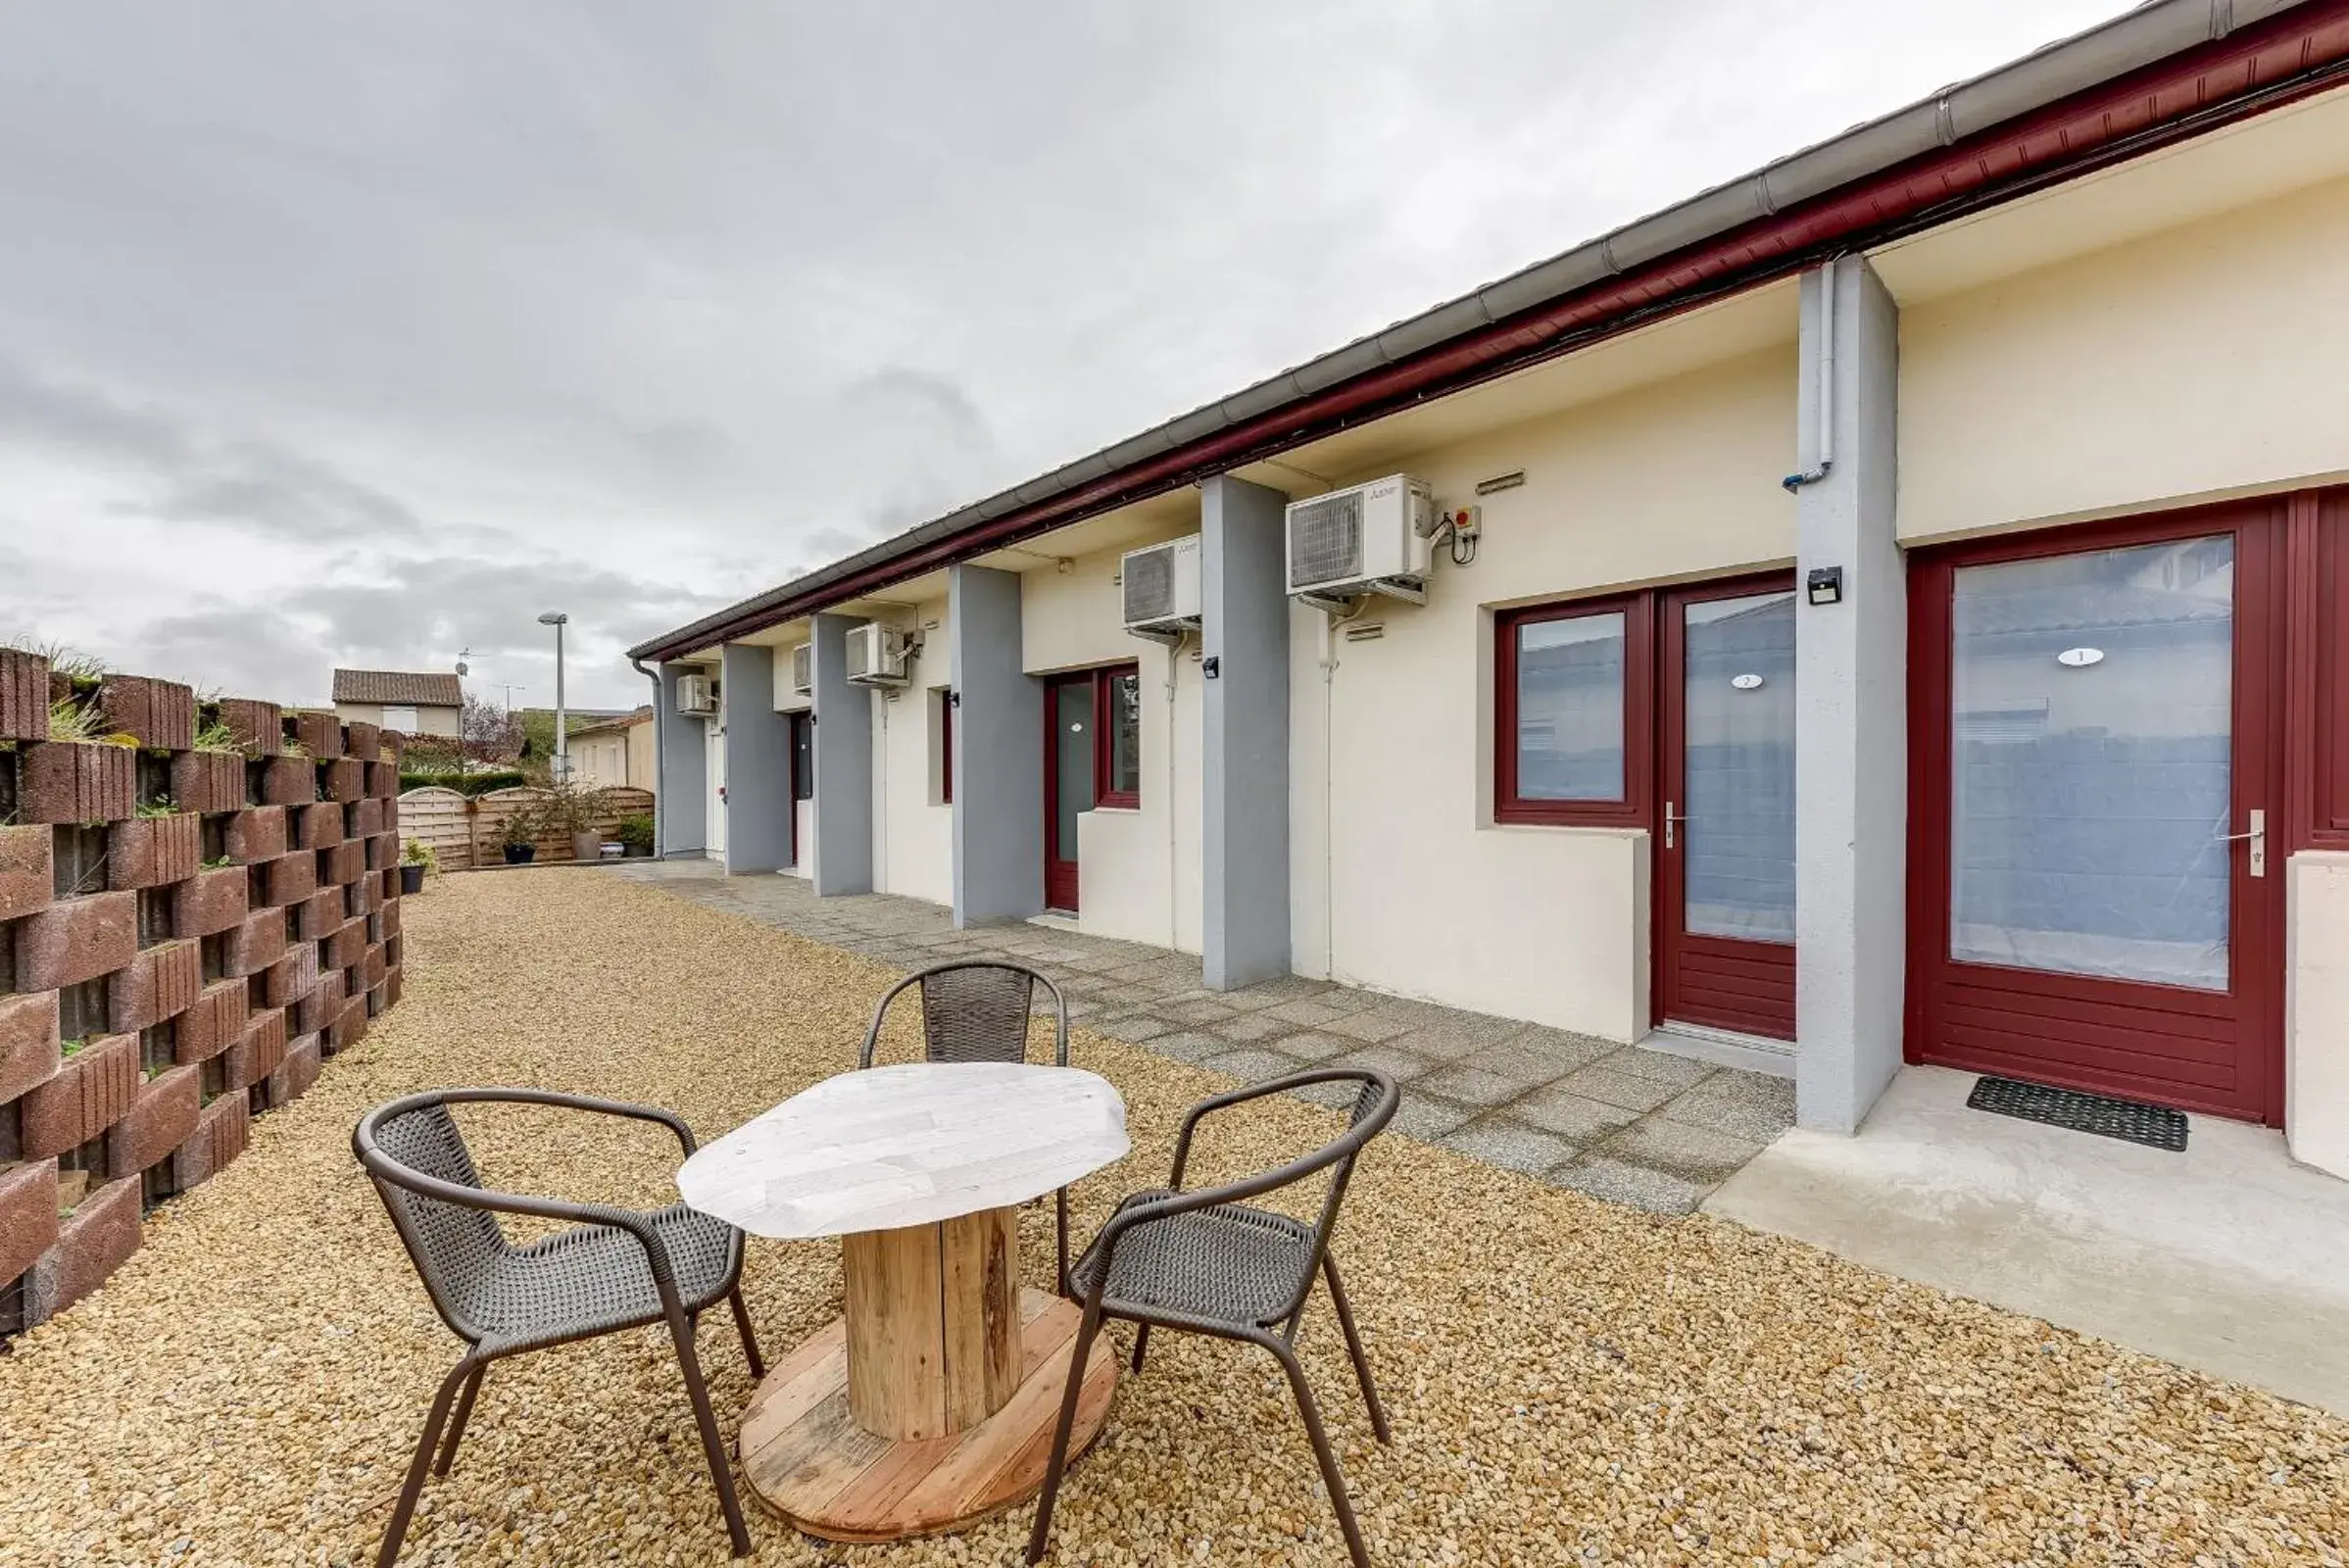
{"x":2290,"y":56}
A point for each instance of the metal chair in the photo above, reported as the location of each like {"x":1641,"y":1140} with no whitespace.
{"x":1209,"y":1262}
{"x":976,"y":1010}
{"x":620,"y":1268}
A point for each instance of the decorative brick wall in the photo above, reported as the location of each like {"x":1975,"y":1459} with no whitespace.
{"x":185,"y":935}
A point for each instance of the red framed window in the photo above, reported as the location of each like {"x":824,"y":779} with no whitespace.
{"x":1117,"y":736}
{"x":1573,"y":725}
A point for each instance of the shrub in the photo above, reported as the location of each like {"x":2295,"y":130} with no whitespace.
{"x":503,"y":778}
{"x":636,"y":833}
{"x":416,"y":851}
{"x":523,"y":826}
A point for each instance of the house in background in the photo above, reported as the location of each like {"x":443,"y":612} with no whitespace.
{"x":1884,"y":609}
{"x":615,"y":753}
{"x":407,"y":700}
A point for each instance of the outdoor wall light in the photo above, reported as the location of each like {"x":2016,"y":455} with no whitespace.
{"x":1825,"y":585}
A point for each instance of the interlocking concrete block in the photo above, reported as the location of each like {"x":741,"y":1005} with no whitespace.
{"x":217,"y":1020}
{"x":391,"y":986}
{"x":258,"y":1052}
{"x":255,"y":834}
{"x":394,"y":747}
{"x":291,"y":977}
{"x":362,"y":740}
{"x":259,"y":727}
{"x":383,"y":851}
{"x":27,"y":1041}
{"x":162,"y":982}
{"x":209,"y":901}
{"x":365,"y":820}
{"x":297,"y":1073}
{"x":94,"y":1241}
{"x":383,"y":781}
{"x":76,"y":938}
{"x":208,"y":782}
{"x":350,"y":1025}
{"x":374,"y":964}
{"x":289,"y":878}
{"x":90,"y":1091}
{"x":346,"y":862}
{"x":321,"y":734}
{"x":160,"y":714}
{"x":24,"y":695}
{"x":318,"y":827}
{"x":317,"y":1005}
{"x":255,"y":943}
{"x":223,"y":1130}
{"x":161,"y":1117}
{"x":318,"y":916}
{"x":148,"y":851}
{"x":347,"y":946}
{"x":343,"y":780}
{"x":27,"y":1214}
{"x":370,"y":896}
{"x":76,"y":781}
{"x":289,"y":781}
{"x":27,"y":869}
{"x":391,"y":918}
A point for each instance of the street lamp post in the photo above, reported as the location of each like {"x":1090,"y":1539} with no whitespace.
{"x":562,"y":758}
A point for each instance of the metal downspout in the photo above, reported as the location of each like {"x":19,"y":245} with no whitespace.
{"x":661,"y":723}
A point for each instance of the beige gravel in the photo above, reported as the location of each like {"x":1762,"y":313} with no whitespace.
{"x":1569,"y":1381}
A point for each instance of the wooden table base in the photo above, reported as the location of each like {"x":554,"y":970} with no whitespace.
{"x":806,"y":1458}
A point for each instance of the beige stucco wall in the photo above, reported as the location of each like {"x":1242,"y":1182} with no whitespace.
{"x":1139,"y":871}
{"x":1399,"y":878}
{"x":429,"y":720}
{"x":2316,"y":1010}
{"x":2199,"y":361}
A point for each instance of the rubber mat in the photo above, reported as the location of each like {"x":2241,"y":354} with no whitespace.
{"x":2154,"y":1126}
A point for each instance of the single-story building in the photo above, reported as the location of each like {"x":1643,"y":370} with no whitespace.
{"x":408,"y":701}
{"x":615,"y":753}
{"x":1887,"y":607}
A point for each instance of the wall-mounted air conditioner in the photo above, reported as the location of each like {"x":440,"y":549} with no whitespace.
{"x":1370,"y":538}
{"x":697,"y":694}
{"x":876,"y":654}
{"x":802,"y":669}
{"x":1158,"y":587}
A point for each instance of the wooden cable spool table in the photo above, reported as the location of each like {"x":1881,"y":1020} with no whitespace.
{"x":929,"y":1404}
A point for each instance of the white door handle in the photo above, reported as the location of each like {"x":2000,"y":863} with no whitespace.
{"x":1671,"y":823}
{"x":2256,"y":835}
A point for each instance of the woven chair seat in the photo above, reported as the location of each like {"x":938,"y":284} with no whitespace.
{"x":1227,"y":1265}
{"x":594,"y":1279}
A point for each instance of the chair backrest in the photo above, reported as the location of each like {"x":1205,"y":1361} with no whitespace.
{"x":451,"y":1245}
{"x":975,"y":1010}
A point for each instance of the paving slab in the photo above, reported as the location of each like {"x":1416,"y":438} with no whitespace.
{"x":1509,"y":1143}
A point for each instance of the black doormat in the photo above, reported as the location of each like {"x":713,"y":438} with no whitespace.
{"x":2154,"y":1126}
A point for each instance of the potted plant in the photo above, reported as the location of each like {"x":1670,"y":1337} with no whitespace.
{"x":416,"y":859}
{"x":521,"y":836}
{"x":636,"y":836}
{"x":571,"y":810}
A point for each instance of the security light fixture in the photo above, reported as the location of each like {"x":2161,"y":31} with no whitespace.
{"x":1825,"y":585}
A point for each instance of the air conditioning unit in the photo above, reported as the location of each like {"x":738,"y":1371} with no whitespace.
{"x":802,"y":669}
{"x":876,"y":656}
{"x":1158,"y":586}
{"x":1370,"y":538}
{"x":697,"y":694}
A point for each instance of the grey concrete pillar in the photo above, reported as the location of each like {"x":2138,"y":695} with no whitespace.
{"x":1244,"y":719}
{"x":998,"y":713}
{"x":680,"y":827}
{"x":758,"y":804}
{"x":843,"y":714}
{"x":1851,"y":674}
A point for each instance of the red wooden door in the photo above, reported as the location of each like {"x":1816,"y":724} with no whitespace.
{"x":2095,"y":866}
{"x":1069,"y":743}
{"x":1725,"y":791}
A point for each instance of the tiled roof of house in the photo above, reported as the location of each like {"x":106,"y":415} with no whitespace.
{"x":642,"y":714}
{"x":403,"y":687}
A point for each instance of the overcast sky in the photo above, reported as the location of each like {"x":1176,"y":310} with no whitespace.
{"x":358,"y":334}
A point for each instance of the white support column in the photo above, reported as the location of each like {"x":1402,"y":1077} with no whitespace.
{"x":1851,"y":703}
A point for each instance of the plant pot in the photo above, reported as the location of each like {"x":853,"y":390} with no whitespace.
{"x":411,"y":876}
{"x":637,"y":851}
{"x":587,"y":847}
{"x":520,"y":854}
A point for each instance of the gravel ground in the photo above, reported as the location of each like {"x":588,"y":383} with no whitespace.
{"x":1570,"y":1381}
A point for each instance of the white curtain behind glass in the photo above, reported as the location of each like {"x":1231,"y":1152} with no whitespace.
{"x":1738,"y":844}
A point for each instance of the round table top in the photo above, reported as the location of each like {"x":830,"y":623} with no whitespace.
{"x":908,"y":1145}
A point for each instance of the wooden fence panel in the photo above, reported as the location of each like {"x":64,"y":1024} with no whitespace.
{"x":465,"y":832}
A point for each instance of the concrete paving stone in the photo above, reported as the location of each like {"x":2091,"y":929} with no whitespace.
{"x":1370,"y":1025}
{"x":1288,"y":987}
{"x":1759,"y":1090}
{"x":1524,"y":1065}
{"x":1198,"y":1011}
{"x":1251,"y":1065}
{"x":1693,"y":1153}
{"x":1185,"y":1047}
{"x":1573,"y":1117}
{"x":1400,"y":1065}
{"x":1633,"y":1184}
{"x":1565,"y":1045}
{"x":1511,"y":1145}
{"x":1605,"y":1083}
{"x":1309,"y":1046}
{"x":1312,"y":1014}
{"x":1757,"y":1123}
{"x":1335,"y":1097}
{"x":1134,"y":1028}
{"x":1459,"y":1034}
{"x":1662,"y":1066}
{"x":1248,"y":999}
{"x":1459,"y":1081}
{"x":1427,"y":1119}
{"x":1248,"y":1028}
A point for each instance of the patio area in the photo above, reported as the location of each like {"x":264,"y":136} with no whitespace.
{"x":1570,"y":1379}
